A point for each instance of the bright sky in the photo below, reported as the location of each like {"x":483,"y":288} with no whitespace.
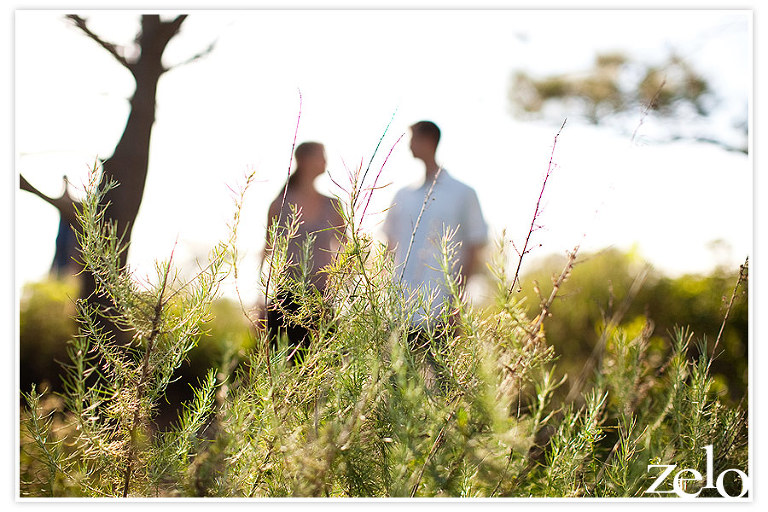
{"x":236,"y":111}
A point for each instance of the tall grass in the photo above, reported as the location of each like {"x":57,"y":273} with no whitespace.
{"x":469,"y":413}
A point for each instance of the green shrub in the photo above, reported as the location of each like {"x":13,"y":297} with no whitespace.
{"x":474,"y":413}
{"x":46,"y":323}
{"x":601,"y":284}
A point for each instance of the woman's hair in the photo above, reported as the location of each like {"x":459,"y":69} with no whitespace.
{"x":302,"y":151}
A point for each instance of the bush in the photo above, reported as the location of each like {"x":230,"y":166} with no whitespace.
{"x":600,"y":288}
{"x":46,"y":323}
{"x":471,"y":413}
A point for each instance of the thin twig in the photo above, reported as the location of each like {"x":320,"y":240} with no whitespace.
{"x":154,"y":333}
{"x":376,"y":180}
{"x":504,"y":474}
{"x":556,"y":285}
{"x":537,"y":210}
{"x":279,"y":220}
{"x":356,"y":191}
{"x":200,"y":55}
{"x":648,"y":107}
{"x":285,"y":188}
{"x":743,"y":269}
{"x":616,"y":447}
{"x":235,"y":226}
{"x":418,"y":219}
{"x":438,"y":441}
{"x":533,"y":332}
{"x":375,"y":151}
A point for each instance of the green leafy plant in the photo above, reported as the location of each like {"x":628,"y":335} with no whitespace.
{"x":470,"y":409}
{"x":112,"y":390}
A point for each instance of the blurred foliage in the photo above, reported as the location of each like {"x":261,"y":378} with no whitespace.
{"x":226,"y":340}
{"x":47,"y":312}
{"x":615,"y":84}
{"x":600,"y":284}
{"x":362,"y":416}
{"x":473,"y":410}
{"x":619,"y":91}
{"x":46,"y":322}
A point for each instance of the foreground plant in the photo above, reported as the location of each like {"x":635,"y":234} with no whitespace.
{"x":365,"y":412}
{"x":112,"y":390}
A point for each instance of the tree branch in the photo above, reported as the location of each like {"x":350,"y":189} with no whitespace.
{"x":708,"y":140}
{"x":64,"y":204}
{"x":112,"y":48}
{"x":25,"y":185}
{"x":195,"y":57}
{"x":176,"y":23}
{"x":166,"y":30}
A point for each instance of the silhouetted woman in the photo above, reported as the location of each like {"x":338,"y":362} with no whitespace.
{"x":319,"y":218}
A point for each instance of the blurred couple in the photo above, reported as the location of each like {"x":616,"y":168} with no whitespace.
{"x":415,"y":224}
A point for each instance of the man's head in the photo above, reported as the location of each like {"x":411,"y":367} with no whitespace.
{"x":425,"y":136}
{"x":310,"y":158}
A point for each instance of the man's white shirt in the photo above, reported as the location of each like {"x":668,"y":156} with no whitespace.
{"x":452,"y":206}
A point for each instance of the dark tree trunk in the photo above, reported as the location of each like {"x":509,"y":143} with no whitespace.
{"x":129,"y":162}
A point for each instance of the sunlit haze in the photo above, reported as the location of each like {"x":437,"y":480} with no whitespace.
{"x":351,"y":73}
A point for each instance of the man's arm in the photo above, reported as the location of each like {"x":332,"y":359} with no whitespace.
{"x":475,"y":239}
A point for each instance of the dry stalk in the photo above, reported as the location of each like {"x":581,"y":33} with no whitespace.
{"x":142,"y":383}
{"x":534,"y":333}
{"x":743,"y":272}
{"x":648,"y":108}
{"x":546,"y":307}
{"x":418,"y":220}
{"x":536,"y":212}
{"x":279,"y":220}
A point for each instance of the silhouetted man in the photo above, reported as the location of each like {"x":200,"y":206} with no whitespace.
{"x":418,"y":219}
